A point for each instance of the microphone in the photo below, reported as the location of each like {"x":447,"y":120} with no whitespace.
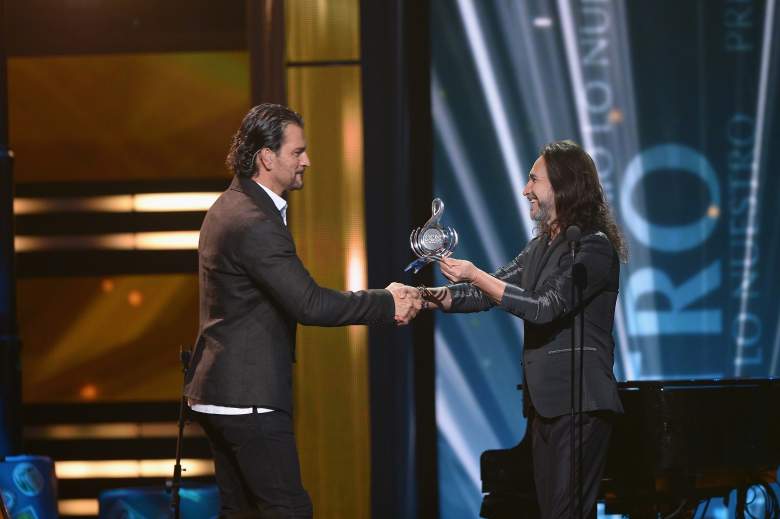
{"x":573,"y":235}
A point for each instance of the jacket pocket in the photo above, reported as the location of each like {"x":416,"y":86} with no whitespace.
{"x":568,"y":350}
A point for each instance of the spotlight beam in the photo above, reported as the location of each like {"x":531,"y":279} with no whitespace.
{"x":758,"y":139}
{"x":487,"y":79}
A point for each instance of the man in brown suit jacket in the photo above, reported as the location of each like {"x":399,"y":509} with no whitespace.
{"x":254,"y":290}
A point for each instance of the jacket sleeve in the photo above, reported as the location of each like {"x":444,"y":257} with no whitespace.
{"x":267,"y":254}
{"x":468,"y":298}
{"x":594,"y":261}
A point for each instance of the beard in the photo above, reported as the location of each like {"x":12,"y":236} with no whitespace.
{"x":542,"y":212}
{"x":297,"y":182}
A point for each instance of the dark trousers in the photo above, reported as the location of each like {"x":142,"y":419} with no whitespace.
{"x":551,"y":444}
{"x":256,"y":464}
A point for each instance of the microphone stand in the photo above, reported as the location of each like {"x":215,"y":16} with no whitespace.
{"x":175,"y":485}
{"x":4,"y":513}
{"x":573,"y":234}
{"x":581,"y":482}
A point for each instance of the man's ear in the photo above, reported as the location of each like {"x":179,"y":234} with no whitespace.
{"x":266,"y":157}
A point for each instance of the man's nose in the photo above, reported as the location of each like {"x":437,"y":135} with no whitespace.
{"x":305,"y":159}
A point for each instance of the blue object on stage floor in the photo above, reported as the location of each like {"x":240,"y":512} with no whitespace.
{"x":29,"y":488}
{"x":197,"y":502}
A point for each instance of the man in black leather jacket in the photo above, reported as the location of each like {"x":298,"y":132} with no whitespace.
{"x":564,"y":190}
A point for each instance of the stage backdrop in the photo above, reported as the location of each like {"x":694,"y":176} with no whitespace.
{"x":677,"y":103}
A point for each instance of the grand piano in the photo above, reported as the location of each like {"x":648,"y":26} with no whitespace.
{"x":679,"y":442}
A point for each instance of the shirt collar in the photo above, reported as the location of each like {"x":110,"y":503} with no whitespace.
{"x":279,"y":202}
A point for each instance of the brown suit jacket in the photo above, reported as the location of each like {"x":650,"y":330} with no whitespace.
{"x":254,"y":290}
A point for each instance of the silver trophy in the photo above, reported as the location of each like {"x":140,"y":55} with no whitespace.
{"x":432,"y":241}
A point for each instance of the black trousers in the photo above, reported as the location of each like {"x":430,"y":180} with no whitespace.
{"x":256,"y":464}
{"x":551,"y":445}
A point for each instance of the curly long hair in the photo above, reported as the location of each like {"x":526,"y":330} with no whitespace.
{"x":579,"y":197}
{"x":263,"y":127}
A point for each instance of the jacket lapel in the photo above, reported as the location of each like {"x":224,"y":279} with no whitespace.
{"x":544,"y":266}
{"x":532,"y":265}
{"x":258,"y":195}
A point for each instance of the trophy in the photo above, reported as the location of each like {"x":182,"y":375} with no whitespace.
{"x":432,"y":242}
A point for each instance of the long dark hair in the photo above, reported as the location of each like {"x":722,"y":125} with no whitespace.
{"x":263,"y":127}
{"x":579,"y":198}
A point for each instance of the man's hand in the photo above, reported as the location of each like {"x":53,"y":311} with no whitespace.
{"x":408,"y":302}
{"x":458,"y":271}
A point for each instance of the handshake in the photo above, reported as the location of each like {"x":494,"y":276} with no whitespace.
{"x":410,"y":300}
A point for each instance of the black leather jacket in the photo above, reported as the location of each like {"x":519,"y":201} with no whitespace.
{"x":539,"y":291}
